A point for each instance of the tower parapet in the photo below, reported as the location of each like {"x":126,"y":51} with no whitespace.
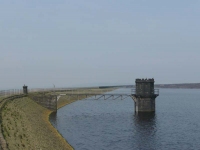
{"x":145,"y":88}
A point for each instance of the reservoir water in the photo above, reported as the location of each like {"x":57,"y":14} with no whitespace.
{"x":113,"y":124}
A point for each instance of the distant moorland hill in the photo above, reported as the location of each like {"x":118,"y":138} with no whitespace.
{"x":182,"y":85}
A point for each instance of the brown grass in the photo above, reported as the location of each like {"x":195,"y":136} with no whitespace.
{"x":26,"y":126}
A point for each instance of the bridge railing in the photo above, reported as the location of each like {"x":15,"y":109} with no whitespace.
{"x":97,"y":91}
{"x":125,"y":91}
{"x":10,"y":92}
{"x":87,"y":91}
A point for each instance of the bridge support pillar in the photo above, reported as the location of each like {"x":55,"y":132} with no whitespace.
{"x":145,"y":95}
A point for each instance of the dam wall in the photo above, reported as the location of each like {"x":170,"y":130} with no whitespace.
{"x":47,"y":101}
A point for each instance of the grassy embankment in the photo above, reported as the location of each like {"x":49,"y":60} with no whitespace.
{"x":2,"y":140}
{"x":25,"y":125}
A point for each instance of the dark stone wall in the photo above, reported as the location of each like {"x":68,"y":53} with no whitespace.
{"x":25,"y":89}
{"x":145,"y":104}
{"x":47,"y":101}
{"x":144,"y":87}
{"x":144,"y":97}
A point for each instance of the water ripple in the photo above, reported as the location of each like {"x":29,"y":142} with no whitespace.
{"x":113,"y":124}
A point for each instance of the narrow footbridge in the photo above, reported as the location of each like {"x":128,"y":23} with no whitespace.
{"x":96,"y":95}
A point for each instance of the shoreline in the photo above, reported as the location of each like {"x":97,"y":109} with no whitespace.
{"x":53,"y":128}
{"x":63,"y":101}
{"x":60,"y":137}
{"x":25,"y":124}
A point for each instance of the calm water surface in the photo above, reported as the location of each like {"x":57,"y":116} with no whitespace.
{"x":113,"y":125}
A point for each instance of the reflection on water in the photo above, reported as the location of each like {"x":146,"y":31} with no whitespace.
{"x":145,"y":124}
{"x":148,"y":117}
{"x":53,"y":118}
{"x":113,"y":124}
{"x":140,"y":136}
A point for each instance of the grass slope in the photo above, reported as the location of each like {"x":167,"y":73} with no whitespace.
{"x":26,"y":126}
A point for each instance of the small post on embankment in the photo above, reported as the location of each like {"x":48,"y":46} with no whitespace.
{"x":25,"y":89}
{"x":144,"y":95}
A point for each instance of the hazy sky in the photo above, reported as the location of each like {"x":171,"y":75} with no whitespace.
{"x":98,"y":42}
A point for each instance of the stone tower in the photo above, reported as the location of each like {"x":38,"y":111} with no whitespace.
{"x":25,"y":89}
{"x":145,"y":95}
